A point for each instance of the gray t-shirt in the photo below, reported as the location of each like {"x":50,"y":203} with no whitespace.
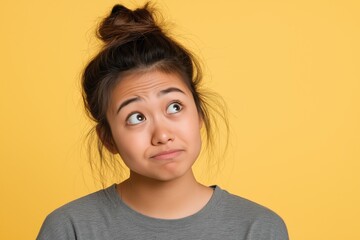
{"x":102,"y":215}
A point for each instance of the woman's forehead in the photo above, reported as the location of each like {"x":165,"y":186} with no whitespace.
{"x":151,"y":82}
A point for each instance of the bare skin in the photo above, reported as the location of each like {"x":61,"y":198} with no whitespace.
{"x":157,"y":111}
{"x":176,"y":199}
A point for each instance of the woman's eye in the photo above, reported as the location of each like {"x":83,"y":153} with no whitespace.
{"x":135,"y":118}
{"x":174,"y":108}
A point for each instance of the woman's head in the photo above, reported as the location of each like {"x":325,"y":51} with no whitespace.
{"x":135,"y":43}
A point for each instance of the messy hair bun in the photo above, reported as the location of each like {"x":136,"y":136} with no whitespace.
{"x":135,"y":41}
{"x":124,"y":25}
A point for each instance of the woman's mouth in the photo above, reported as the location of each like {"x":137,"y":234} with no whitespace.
{"x":167,"y":155}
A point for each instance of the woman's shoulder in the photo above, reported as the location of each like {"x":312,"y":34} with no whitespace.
{"x":99,"y":200}
{"x":244,"y":205}
{"x":260,"y":219}
{"x":93,"y":207}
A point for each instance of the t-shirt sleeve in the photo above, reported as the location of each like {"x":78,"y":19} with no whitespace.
{"x":56,"y":227}
{"x":269,"y":227}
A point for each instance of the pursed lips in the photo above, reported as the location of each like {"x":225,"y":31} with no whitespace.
{"x":166,"y":155}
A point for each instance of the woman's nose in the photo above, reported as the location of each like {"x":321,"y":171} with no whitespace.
{"x":162,"y":133}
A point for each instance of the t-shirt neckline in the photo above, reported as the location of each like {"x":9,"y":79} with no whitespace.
{"x":146,"y":221}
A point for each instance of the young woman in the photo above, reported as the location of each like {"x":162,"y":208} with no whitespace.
{"x":142,"y":90}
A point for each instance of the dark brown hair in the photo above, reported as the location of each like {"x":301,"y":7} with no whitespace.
{"x":135,"y":41}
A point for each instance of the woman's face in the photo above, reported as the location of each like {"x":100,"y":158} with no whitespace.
{"x":155,"y":125}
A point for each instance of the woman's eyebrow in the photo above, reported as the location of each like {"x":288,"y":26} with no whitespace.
{"x":127,"y":102}
{"x":136,"y":99}
{"x":169,"y":90}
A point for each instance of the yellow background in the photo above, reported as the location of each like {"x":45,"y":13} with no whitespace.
{"x":289,"y":71}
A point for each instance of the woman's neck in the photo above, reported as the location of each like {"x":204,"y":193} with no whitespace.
{"x":173,"y":199}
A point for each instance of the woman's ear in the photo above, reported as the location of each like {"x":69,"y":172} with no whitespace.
{"x":106,"y":139}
